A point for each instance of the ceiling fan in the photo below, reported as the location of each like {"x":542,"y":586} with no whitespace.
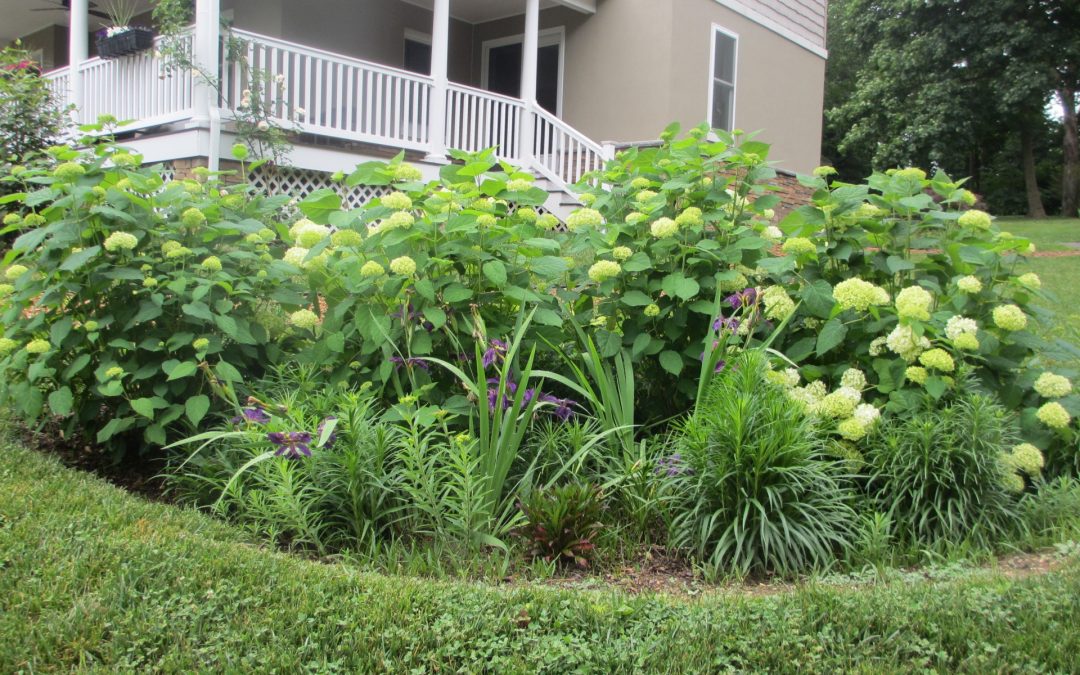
{"x":65,"y":5}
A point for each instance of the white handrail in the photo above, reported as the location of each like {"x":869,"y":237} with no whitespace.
{"x":564,"y":154}
{"x":319,"y":92}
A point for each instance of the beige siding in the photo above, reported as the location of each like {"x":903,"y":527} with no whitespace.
{"x":779,"y":86}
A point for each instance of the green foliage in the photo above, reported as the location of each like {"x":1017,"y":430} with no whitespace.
{"x":31,"y":117}
{"x":939,"y":474}
{"x":142,"y":302}
{"x":757,"y":493}
{"x":562,"y":522}
{"x":1053,"y":513}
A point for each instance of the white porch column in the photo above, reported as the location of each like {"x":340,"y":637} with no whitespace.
{"x":207,"y":37}
{"x":78,"y":51}
{"x":440,"y":57}
{"x":529,"y":47}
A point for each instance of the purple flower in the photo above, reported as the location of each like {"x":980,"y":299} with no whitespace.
{"x":672,"y":466}
{"x":743,"y":298}
{"x":333,"y":434}
{"x":496,"y":353}
{"x":255,"y":415}
{"x":563,"y":407}
{"x":726,"y":323}
{"x":291,"y":444}
{"x":493,"y":393}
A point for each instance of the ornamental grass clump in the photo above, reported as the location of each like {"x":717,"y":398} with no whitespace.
{"x":758,"y":493}
{"x":941,"y":474}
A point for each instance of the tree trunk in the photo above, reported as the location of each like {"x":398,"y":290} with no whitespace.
{"x":1031,"y":183}
{"x":1070,"y":145}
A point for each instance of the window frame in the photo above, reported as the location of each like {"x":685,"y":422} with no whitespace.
{"x":713,"y":79}
{"x":419,"y":37}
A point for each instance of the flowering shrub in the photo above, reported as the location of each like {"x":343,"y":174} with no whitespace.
{"x":910,"y":285}
{"x":129,"y":304}
{"x":31,"y":117}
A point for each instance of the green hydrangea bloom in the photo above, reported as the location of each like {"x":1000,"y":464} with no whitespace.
{"x":200,"y":344}
{"x":584,"y":218}
{"x":1050,"y":385}
{"x":149,"y":282}
{"x":691,"y":216}
{"x":546,"y":221}
{"x":114,"y":372}
{"x":1030,"y":280}
{"x":799,"y":246}
{"x":1009,"y":317}
{"x":823,"y":171}
{"x":904,"y":342}
{"x":407,"y":173}
{"x":644,"y":196}
{"x":296,"y":256}
{"x":12,"y":219}
{"x":914,"y":303}
{"x":371,"y":269}
{"x":15,"y":271}
{"x":966,"y":342}
{"x":912,"y":173}
{"x":180,"y":252}
{"x":652,"y":310}
{"x":193,"y":217}
{"x":916,"y":374}
{"x":969,"y":284}
{"x":519,"y":185}
{"x":1027,"y":458}
{"x":304,"y":318}
{"x":69,"y":171}
{"x":34,"y":220}
{"x":526,"y":214}
{"x":603,"y":270}
{"x":1012,"y":482}
{"x":621,"y":253}
{"x":310,"y":235}
{"x":38,"y":346}
{"x":399,"y":201}
{"x":852,"y":429}
{"x":7,"y":345}
{"x":1053,"y":415}
{"x":938,"y":359}
{"x":840,"y":403}
{"x":854,"y":379}
{"x":212,"y":264}
{"x":975,"y":219}
{"x":404,"y":266}
{"x":663,"y":228}
{"x":778,"y":306}
{"x":859,"y":295}
{"x":346,"y":238}
{"x":6,"y":290}
{"x":640,"y":183}
{"x":120,"y":241}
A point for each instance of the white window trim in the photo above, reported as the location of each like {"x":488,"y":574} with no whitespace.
{"x":545,"y":38}
{"x":713,"y":30}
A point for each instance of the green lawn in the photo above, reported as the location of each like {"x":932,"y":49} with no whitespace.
{"x":94,"y":578}
{"x":1060,"y":275}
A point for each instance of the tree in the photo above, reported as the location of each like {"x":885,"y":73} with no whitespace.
{"x":948,"y":82}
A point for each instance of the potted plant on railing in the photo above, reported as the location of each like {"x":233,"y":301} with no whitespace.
{"x":121,"y":38}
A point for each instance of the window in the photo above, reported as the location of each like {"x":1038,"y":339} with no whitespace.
{"x":722,"y":79}
{"x":417,"y":52}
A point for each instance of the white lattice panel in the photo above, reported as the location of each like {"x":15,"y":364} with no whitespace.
{"x":168,"y":172}
{"x":299,"y":183}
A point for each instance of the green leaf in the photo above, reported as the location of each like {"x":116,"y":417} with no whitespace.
{"x":818,"y":298}
{"x":608,"y":343}
{"x":897,"y":264}
{"x":436,"y":316}
{"x":144,"y":406}
{"x":456,"y":293}
{"x":495,"y":271}
{"x":196,"y":407}
{"x":227,"y":372}
{"x":679,"y":285}
{"x":639,"y":262}
{"x":199,"y":310}
{"x":116,"y":425}
{"x":548,"y":317}
{"x":61,"y":400}
{"x":336,"y":342}
{"x":426,"y":289}
{"x":77,"y":260}
{"x":671,"y":361}
{"x":320,"y":204}
{"x":831,"y":335}
{"x":181,"y":370}
{"x":636,"y":299}
{"x":548,"y":266}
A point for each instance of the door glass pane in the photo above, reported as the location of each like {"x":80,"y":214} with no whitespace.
{"x":547,"y":78}
{"x":504,"y":70}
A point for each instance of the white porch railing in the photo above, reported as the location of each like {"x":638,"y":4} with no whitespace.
{"x":319,"y":92}
{"x":478,"y":119}
{"x":138,"y":88}
{"x":340,"y":96}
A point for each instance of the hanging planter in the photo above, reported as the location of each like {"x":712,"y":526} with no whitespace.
{"x":116,"y":42}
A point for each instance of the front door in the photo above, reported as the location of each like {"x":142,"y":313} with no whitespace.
{"x":504,"y":71}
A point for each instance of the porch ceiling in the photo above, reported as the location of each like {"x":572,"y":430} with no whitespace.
{"x":479,"y":11}
{"x":22,"y":17}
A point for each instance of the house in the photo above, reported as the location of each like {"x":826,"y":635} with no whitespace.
{"x":554,"y":85}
